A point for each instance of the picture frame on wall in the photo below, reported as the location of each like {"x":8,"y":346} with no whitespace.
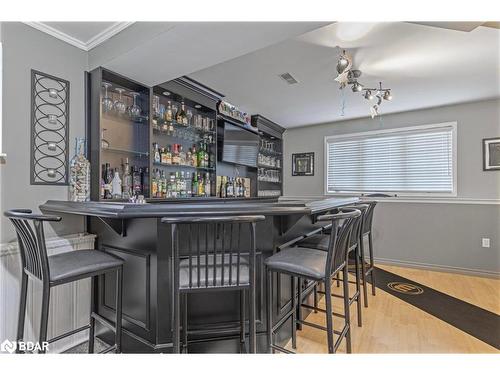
{"x":303,"y":164}
{"x":491,"y":154}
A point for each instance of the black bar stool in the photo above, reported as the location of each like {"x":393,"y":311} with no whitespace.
{"x":316,"y":266}
{"x":320,"y":242}
{"x":208,"y":256}
{"x":61,"y":269}
{"x":366,"y":231}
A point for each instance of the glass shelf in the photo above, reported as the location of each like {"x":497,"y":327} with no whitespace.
{"x":125,"y":151}
{"x":269,"y":152}
{"x":125,"y":118}
{"x":182,"y":166}
{"x":268,"y":167}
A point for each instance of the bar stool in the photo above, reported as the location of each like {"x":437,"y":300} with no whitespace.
{"x":208,"y":256}
{"x":367,"y":231}
{"x":320,"y":242}
{"x":61,"y":269}
{"x":316,"y":266}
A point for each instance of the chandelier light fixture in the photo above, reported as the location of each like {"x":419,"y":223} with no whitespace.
{"x":348,"y":76}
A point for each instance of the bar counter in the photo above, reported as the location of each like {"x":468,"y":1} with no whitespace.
{"x":135,"y":233}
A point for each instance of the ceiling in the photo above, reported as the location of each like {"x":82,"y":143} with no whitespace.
{"x":425,"y":66}
{"x":84,"y":35}
{"x":156,"y":52}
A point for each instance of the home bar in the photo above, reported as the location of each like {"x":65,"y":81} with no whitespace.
{"x":249,"y":188}
{"x":235,"y":172}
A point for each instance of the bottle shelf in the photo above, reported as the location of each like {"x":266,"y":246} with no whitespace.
{"x":263,"y":151}
{"x":125,"y":151}
{"x":268,"y":167}
{"x":182,"y":166}
{"x":159,"y":127}
{"x":269,"y":182}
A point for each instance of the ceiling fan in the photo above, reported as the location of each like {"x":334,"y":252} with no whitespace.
{"x":460,"y":26}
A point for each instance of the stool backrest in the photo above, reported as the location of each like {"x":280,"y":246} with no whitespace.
{"x":340,"y":236}
{"x":213,"y":250}
{"x":31,"y":241}
{"x":368,"y":217}
{"x":357,"y":227}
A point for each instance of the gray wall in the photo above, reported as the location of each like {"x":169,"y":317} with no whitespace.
{"x":25,"y":48}
{"x":445,"y":235}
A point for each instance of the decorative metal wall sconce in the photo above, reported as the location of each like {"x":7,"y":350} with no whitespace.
{"x":49,"y":129}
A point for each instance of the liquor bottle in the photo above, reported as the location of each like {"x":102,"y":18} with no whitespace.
{"x":145,"y":181}
{"x":178,"y":184}
{"x":173,"y":186}
{"x":127,"y":181}
{"x":205,"y":156}
{"x":157,"y":155}
{"x":194,"y":157}
{"x":79,"y":174}
{"x":181,"y":116}
{"x":136,"y":181}
{"x":182,"y":156}
{"x":163,"y":179}
{"x":201,"y":158}
{"x":102,"y":192}
{"x":208,"y":185}
{"x":175,"y":154}
{"x":189,"y":157}
{"x":222,"y":187}
{"x":243,"y":188}
{"x":168,"y":116}
{"x":116,"y":185}
{"x":188,"y":183}
{"x":108,"y":178}
{"x":229,"y":188}
{"x":201,"y":186}
{"x":168,"y":155}
{"x":154,"y":184}
{"x":194,"y":184}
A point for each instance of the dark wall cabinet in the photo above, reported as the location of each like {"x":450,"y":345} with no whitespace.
{"x":167,"y":138}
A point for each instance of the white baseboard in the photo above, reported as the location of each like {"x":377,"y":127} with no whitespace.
{"x":437,"y":267}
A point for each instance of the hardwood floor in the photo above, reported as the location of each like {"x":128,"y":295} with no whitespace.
{"x":391,"y":325}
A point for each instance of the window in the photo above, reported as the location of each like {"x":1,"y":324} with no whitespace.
{"x":417,"y":160}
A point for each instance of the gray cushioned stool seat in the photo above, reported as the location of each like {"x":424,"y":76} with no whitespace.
{"x":184,"y":271}
{"x":300,"y":261}
{"x":77,"y":263}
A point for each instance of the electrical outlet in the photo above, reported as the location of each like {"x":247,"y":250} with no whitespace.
{"x":485,"y":242}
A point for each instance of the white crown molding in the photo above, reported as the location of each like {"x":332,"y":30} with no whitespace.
{"x":89,"y":44}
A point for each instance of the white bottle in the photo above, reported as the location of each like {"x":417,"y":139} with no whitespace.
{"x":116,"y":186}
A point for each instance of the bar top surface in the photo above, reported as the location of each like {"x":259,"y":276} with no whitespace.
{"x":121,"y":210}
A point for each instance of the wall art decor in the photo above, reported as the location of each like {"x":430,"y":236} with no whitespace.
{"x":303,"y":164}
{"x":491,"y":154}
{"x":49,"y":129}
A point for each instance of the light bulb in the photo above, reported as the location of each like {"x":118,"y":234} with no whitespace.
{"x":357,"y":87}
{"x":387,"y":95}
{"x":368,"y":95}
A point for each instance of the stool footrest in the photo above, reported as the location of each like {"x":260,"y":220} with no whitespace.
{"x":64,"y":335}
{"x":107,"y":350}
{"x":281,"y":349}
{"x":320,"y":309}
{"x":104,"y":321}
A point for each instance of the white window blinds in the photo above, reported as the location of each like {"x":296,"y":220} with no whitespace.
{"x":412,"y":160}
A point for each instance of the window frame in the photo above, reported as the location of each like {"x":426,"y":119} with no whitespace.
{"x":404,"y":129}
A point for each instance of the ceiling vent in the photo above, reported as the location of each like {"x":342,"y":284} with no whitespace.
{"x":288,"y":78}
